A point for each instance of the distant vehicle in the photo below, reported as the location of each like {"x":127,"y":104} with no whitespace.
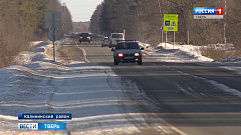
{"x":126,"y":52}
{"x":91,"y":37}
{"x":105,"y":42}
{"x":114,"y":38}
{"x":84,"y":37}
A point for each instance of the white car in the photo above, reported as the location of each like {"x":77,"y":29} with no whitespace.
{"x":115,"y":37}
{"x":105,"y":42}
{"x":127,"y":52}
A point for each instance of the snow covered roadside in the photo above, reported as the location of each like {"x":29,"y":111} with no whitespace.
{"x":24,"y":88}
{"x":188,"y":54}
{"x":233,"y":63}
{"x":93,"y":94}
{"x":180,"y":53}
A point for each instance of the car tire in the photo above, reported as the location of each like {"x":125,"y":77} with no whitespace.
{"x":140,"y":62}
{"x":116,"y":62}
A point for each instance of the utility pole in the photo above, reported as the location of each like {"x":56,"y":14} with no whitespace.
{"x":225,"y":23}
{"x":159,"y":3}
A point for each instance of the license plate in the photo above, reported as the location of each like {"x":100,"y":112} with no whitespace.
{"x":129,"y":58}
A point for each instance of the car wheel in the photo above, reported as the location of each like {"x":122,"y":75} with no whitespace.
{"x":140,"y":62}
{"x":116,"y":62}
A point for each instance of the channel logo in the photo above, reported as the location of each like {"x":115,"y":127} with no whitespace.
{"x":208,"y":13}
{"x":51,"y":126}
{"x":42,"y":126}
{"x":28,"y":126}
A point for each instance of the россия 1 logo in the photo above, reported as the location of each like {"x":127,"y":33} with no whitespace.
{"x":208,"y":13}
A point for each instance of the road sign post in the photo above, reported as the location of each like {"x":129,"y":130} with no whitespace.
{"x":166,"y":40}
{"x":162,"y":32}
{"x":53,"y":21}
{"x":174,"y":38}
{"x":162,"y":36}
{"x":188,"y":27}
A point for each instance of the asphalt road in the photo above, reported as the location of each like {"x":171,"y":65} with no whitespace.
{"x":183,"y":94}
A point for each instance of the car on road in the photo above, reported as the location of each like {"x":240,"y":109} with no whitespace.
{"x":84,"y":37}
{"x":127,"y":52}
{"x":115,"y":37}
{"x":105,"y":42}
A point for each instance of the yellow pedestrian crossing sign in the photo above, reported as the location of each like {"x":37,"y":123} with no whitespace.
{"x":173,"y":24}
{"x":170,"y":22}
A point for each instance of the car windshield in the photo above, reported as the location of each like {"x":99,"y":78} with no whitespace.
{"x":84,"y":34}
{"x":127,"y":46}
{"x":117,"y":36}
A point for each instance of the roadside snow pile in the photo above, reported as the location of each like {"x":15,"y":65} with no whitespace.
{"x":35,"y":55}
{"x":144,"y":44}
{"x":34,"y":43}
{"x":177,"y":53}
{"x":232,"y":63}
{"x":25,"y":88}
{"x":190,"y":53}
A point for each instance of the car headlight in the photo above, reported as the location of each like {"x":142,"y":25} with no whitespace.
{"x":136,"y":54}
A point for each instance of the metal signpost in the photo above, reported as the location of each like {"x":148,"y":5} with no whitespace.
{"x":171,"y":24}
{"x":51,"y":36}
{"x":53,"y":21}
{"x":188,"y":28}
{"x":162,"y":32}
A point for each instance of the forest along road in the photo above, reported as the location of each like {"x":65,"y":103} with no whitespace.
{"x":196,"y":99}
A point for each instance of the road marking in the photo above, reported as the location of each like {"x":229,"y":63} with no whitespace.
{"x":84,"y":53}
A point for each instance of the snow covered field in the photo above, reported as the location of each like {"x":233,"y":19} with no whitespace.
{"x":94,"y":94}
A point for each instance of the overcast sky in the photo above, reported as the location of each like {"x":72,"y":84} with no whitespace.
{"x":81,"y":10}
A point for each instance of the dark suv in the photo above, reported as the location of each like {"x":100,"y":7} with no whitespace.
{"x":84,"y":37}
{"x":127,"y":51}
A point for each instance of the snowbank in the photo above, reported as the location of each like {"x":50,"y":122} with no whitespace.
{"x":177,"y":53}
{"x":190,"y":53}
